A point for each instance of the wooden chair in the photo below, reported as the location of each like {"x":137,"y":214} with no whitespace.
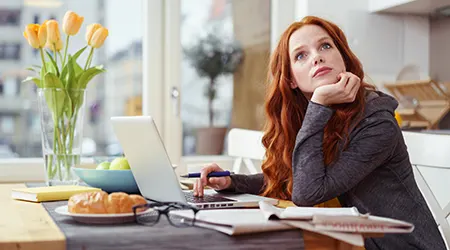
{"x":247,"y":147}
{"x":429,"y":102}
{"x":430,"y":159}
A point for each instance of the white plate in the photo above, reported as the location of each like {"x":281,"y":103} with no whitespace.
{"x":96,"y":218}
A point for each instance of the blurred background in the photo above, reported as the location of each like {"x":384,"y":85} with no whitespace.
{"x":200,"y":66}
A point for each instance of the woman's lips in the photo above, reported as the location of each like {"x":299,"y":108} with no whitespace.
{"x":321,"y":72}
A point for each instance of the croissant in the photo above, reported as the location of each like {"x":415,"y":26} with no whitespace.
{"x":100,"y":202}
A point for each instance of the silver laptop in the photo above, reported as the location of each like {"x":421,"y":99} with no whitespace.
{"x":153,"y":172}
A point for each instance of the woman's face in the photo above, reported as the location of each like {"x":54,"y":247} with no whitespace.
{"x":315,"y":59}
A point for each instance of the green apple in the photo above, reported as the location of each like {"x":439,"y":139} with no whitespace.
{"x":103,"y":166}
{"x":120,"y":163}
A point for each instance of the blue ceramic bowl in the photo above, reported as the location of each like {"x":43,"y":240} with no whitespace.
{"x":109,"y":180}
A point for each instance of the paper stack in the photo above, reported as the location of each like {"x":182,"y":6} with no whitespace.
{"x":345,"y":224}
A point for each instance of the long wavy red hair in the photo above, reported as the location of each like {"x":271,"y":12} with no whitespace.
{"x":285,"y":110}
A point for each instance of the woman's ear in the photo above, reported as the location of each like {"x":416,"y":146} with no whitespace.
{"x":293,"y":85}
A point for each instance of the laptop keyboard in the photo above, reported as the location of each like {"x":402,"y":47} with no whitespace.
{"x":206,"y":198}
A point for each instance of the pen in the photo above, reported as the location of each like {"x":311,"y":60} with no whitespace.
{"x":212,"y":174}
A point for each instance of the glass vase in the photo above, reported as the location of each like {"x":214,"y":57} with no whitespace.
{"x":61,"y":114}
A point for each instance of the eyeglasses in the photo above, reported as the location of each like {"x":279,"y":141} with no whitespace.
{"x":178,"y":214}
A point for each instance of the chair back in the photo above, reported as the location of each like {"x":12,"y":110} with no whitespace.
{"x":247,"y":147}
{"x":430,"y":158}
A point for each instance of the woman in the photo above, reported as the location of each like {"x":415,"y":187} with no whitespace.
{"x":330,"y":135}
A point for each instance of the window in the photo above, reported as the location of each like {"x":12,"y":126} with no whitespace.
{"x":36,"y":19}
{"x":9,"y":51}
{"x":108,"y":95}
{"x":212,"y":29}
{"x":9,"y":16}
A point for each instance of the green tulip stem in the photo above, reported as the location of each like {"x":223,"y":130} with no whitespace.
{"x":72,"y":130}
{"x":55,"y":135}
{"x":62,"y":153}
{"x":60,"y":58}
{"x":89,"y":59}
{"x":65,"y":51}
{"x":63,"y":132}
{"x":54,"y":51}
{"x":50,"y":173}
{"x":42,"y":58}
{"x":66,"y":152}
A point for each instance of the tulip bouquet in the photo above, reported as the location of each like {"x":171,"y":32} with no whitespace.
{"x":62,"y":83}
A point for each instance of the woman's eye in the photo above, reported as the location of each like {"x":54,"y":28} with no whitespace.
{"x":300,"y":56}
{"x":326,"y":46}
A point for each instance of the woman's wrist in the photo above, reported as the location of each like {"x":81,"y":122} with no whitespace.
{"x":228,"y":185}
{"x":318,"y":100}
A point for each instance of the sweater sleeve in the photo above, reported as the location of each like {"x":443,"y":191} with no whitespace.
{"x":249,"y":184}
{"x":313,"y":182}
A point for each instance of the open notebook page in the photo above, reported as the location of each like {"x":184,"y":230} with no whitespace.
{"x":308,"y":212}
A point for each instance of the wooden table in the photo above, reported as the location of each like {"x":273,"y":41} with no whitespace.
{"x":28,"y":226}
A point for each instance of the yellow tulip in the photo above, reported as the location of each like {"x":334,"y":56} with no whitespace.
{"x":53,"y":35}
{"x":72,"y":23}
{"x":36,"y":35}
{"x":99,"y":37}
{"x":58,"y":45}
{"x":90,"y":30}
{"x":42,"y":34}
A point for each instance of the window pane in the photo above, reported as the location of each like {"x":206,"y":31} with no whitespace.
{"x":116,"y":92}
{"x":217,"y":92}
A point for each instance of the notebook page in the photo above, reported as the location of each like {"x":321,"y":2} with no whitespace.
{"x":235,"y":221}
{"x":307,"y":213}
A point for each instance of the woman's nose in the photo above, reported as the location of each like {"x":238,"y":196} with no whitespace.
{"x":318,"y":60}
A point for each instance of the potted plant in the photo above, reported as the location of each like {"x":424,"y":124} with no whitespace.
{"x":212,"y":57}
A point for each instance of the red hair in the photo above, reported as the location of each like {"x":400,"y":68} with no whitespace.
{"x":286,"y":107}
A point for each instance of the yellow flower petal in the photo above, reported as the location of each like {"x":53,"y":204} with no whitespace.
{"x":31,"y":34}
{"x":58,"y":45}
{"x":42,"y":35}
{"x":72,"y":23}
{"x":90,"y":30}
{"x":53,"y":35}
{"x":99,"y":37}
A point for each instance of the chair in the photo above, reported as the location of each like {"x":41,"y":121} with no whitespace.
{"x":424,"y":102}
{"x":430,"y":159}
{"x":247,"y":147}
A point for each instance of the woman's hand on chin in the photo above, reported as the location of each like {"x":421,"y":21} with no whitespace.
{"x":344,"y":91}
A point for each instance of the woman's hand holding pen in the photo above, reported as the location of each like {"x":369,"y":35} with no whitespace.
{"x":218,"y":183}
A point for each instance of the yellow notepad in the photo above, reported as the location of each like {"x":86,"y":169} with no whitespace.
{"x":52,"y":193}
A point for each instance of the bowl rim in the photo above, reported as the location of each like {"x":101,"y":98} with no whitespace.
{"x":109,"y":170}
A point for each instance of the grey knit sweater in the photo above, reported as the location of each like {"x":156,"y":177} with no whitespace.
{"x":373,"y":174}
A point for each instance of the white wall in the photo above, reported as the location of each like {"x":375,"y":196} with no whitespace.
{"x":384,"y":43}
{"x":282,"y":16}
{"x":376,"y":5}
{"x":439,"y":50}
